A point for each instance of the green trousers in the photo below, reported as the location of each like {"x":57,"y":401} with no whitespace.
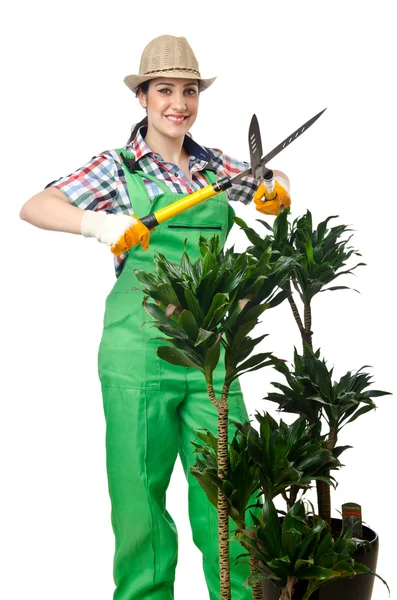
{"x":152,"y":409}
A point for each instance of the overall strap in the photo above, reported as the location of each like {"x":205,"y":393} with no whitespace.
{"x":137,"y":191}
{"x":128,"y":159}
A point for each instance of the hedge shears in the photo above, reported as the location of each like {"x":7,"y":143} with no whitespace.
{"x":257,"y":168}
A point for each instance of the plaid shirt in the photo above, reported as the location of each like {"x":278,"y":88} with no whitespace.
{"x":100,"y":184}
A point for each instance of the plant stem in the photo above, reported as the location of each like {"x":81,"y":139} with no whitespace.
{"x":223,"y":506}
{"x":257,"y":587}
{"x":296,"y":314}
{"x":304,"y":328}
{"x":320,"y":496}
{"x":292,"y":496}
{"x":323,"y":488}
{"x":331,"y":438}
{"x":211,"y":394}
{"x":307,"y":335}
{"x":288,"y":590}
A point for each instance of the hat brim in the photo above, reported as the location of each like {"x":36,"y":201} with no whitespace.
{"x":133,"y":81}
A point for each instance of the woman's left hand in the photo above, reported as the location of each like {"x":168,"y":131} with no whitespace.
{"x":282,"y":199}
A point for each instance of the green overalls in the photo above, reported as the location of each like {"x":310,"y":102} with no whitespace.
{"x":152,"y":408}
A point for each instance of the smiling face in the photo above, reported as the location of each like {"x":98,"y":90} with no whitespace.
{"x":172,"y":105}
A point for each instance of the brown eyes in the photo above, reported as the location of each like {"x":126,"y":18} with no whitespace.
{"x":190,"y":91}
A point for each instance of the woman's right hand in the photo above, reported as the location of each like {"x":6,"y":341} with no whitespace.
{"x":120,"y":232}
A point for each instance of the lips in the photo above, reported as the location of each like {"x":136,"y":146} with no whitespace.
{"x":176,"y":119}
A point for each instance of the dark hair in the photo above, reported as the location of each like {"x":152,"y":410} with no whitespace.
{"x":144,"y":87}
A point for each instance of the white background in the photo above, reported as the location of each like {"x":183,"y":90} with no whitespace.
{"x":63,"y":101}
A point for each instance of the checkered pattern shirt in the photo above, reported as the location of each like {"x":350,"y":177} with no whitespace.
{"x":100,"y":184}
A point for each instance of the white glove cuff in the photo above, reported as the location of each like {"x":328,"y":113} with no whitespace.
{"x":92,"y":222}
{"x":282,"y":179}
{"x":105,"y":227}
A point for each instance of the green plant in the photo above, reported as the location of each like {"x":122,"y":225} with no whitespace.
{"x":215,"y":302}
{"x":301,"y":547}
{"x":318,"y":256}
{"x":279,"y":459}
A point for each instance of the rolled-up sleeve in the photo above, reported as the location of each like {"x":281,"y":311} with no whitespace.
{"x":93,"y":186}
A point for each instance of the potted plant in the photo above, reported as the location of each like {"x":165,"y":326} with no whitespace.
{"x":230,"y":476}
{"x":319,"y":257}
{"x":297,"y":553}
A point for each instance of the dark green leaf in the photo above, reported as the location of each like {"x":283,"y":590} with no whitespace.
{"x":187,"y":321}
{"x":211,"y":359}
{"x":203,"y":336}
{"x":175,"y":357}
{"x":194,"y":306}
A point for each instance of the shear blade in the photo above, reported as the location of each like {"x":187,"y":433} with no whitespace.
{"x":288,"y":140}
{"x":255,"y":144}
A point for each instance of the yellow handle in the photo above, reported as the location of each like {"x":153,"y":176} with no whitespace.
{"x":181,"y":205}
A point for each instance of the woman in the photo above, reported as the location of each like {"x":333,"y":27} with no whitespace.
{"x":151,"y":407}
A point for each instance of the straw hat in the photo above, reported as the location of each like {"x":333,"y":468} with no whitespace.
{"x":167,"y":55}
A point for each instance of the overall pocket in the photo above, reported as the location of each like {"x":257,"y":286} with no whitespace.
{"x":126,"y":356}
{"x":197,"y":227}
{"x":121,"y":305}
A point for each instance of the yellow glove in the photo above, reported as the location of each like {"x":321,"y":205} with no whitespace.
{"x":282,"y":199}
{"x":138,"y":233}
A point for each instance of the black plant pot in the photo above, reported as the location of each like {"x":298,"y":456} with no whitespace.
{"x":356,"y":588}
